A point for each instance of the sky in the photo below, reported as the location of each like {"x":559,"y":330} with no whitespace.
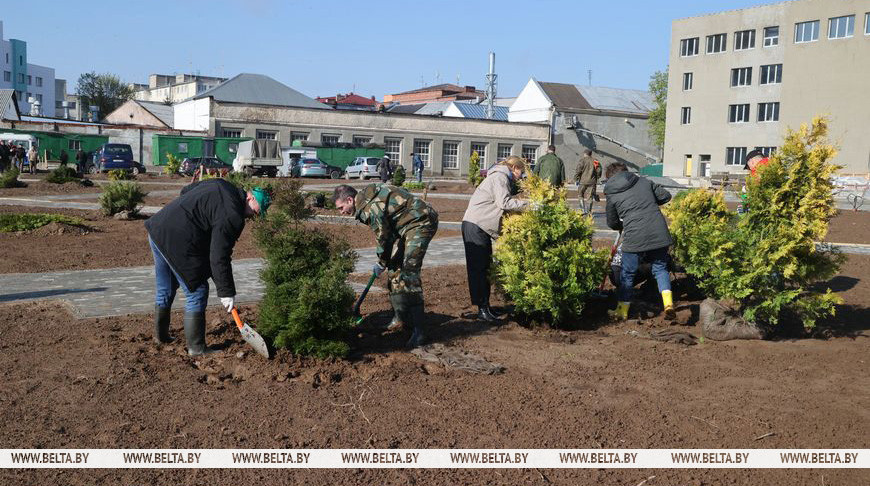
{"x":376,"y":47}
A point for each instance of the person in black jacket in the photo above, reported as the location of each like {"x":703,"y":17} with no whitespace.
{"x":192,"y":239}
{"x":633,"y":208}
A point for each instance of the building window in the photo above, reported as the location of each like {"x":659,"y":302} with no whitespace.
{"x":716,"y":43}
{"x":530,"y":153}
{"x":74,"y":145}
{"x":29,"y":95}
{"x":745,"y":39}
{"x":738,"y":113}
{"x":7,"y":76}
{"x":393,"y":149}
{"x":503,"y":151}
{"x":58,"y":104}
{"x":867,"y":23}
{"x":450,"y":155}
{"x":741,"y":77}
{"x":806,"y":31}
{"x":38,"y":82}
{"x":361,"y":139}
{"x":182,"y":148}
{"x":688,"y":79}
{"x":233,"y":132}
{"x":294,"y":136}
{"x":329,"y":139}
{"x":480,"y":148}
{"x":689,"y":47}
{"x":771,"y":36}
{"x":21,"y":77}
{"x":39,"y":98}
{"x":232,"y":148}
{"x":768,"y":112}
{"x":767,"y":151}
{"x":686,"y":115}
{"x":735,"y":156}
{"x":771,"y":74}
{"x":20,"y":60}
{"x":421,"y":148}
{"x":29,"y":80}
{"x":266,"y":135}
{"x":72,"y":105}
{"x":841,"y":27}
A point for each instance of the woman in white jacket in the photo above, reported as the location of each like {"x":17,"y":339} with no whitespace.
{"x":482,"y":224}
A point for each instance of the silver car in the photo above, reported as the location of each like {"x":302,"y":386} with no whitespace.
{"x":316,"y":168}
{"x":363,"y":167}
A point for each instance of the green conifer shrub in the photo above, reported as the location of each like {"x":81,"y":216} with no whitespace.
{"x":399,"y":176}
{"x":9,"y":179}
{"x":544,"y":259}
{"x":122,"y":196}
{"x":307,"y":302}
{"x":766,"y":260}
{"x":62,"y":174}
{"x":120,"y":175}
{"x":173,"y":164}
{"x":474,"y":177}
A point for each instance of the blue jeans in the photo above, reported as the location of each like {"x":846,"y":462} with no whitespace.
{"x":630,"y":262}
{"x":420,"y":174}
{"x":168,"y":281}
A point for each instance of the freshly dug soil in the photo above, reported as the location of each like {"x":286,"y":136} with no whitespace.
{"x":41,"y":188}
{"x":111,"y":243}
{"x":849,"y":227}
{"x":101,"y":383}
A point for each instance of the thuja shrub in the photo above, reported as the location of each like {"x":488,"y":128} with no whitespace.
{"x":399,"y":176}
{"x":173,"y":164}
{"x":122,"y":196}
{"x":62,"y":174}
{"x":474,"y":177}
{"x":544,"y":259}
{"x":307,"y":302}
{"x":120,"y":175}
{"x":9,"y":179}
{"x":767,"y":260}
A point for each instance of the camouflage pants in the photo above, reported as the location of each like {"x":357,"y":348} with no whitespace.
{"x":407,"y":259}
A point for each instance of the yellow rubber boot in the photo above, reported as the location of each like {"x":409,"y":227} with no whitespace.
{"x":668,"y":301}
{"x":621,"y":312}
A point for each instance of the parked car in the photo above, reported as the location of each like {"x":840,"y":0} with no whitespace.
{"x":363,"y":167}
{"x":112,"y":156}
{"x":311,"y":167}
{"x":190,"y":164}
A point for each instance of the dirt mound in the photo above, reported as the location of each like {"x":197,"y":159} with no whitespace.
{"x":55,"y":228}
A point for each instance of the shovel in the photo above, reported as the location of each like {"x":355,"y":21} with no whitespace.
{"x":251,"y":336}
{"x":362,"y":297}
{"x":599,"y":293}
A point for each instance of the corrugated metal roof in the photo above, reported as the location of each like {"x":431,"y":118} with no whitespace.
{"x":163,"y":112}
{"x":406,"y":109}
{"x":617,"y":99}
{"x":433,"y":108}
{"x":470,"y":110}
{"x":7,"y":96}
{"x":259,"y":89}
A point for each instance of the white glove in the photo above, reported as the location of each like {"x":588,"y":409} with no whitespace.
{"x":377,"y":270}
{"x":228,"y":303}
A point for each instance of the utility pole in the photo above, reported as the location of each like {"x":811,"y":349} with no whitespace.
{"x":491,"y":82}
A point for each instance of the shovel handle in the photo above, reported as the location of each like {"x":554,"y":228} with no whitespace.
{"x":362,"y":296}
{"x":239,"y":323}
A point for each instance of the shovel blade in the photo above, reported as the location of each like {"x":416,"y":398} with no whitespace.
{"x":254,"y":340}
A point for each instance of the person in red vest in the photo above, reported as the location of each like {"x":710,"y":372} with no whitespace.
{"x":754,"y":160}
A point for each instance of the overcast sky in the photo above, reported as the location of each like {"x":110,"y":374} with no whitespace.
{"x":374,"y":47}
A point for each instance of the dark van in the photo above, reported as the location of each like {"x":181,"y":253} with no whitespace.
{"x":114,"y":156}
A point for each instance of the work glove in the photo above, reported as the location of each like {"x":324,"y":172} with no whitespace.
{"x":377,"y":270}
{"x":228,"y":303}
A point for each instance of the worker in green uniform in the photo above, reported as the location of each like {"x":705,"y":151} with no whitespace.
{"x":405,"y":221}
{"x":551,"y":168}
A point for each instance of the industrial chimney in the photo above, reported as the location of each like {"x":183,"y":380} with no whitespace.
{"x":491,"y":82}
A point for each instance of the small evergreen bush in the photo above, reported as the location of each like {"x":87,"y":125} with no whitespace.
{"x":122,"y":196}
{"x":240,"y":179}
{"x":30,"y":221}
{"x":62,"y":174}
{"x":414,"y":185}
{"x":9,"y":179}
{"x":766,"y":260}
{"x":173,"y":164}
{"x":306,"y":305}
{"x":474,"y":177}
{"x":120,"y":175}
{"x":399,"y":176}
{"x":544,"y":259}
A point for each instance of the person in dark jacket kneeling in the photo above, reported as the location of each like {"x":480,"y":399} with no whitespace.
{"x":633,"y":208}
{"x":192,"y":239}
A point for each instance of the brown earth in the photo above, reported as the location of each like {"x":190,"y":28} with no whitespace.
{"x":112,"y":243}
{"x":849,"y":227}
{"x":100,"y":383}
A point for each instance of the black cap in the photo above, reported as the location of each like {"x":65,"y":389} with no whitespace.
{"x":751,"y":155}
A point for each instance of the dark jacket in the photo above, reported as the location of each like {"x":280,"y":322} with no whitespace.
{"x":551,"y":169}
{"x":197,"y":231}
{"x":636,"y":200}
{"x":384,"y":169}
{"x":587,"y":172}
{"x":81,"y":157}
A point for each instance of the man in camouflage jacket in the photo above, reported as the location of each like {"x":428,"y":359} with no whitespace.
{"x":400,"y":220}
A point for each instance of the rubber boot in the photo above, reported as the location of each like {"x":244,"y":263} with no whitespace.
{"x":621,"y":312}
{"x":397,"y":323}
{"x":194,"y":332}
{"x":161,"y":325}
{"x":417,"y":316}
{"x":668,"y":301}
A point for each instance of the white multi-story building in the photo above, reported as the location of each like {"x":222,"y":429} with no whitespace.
{"x":30,"y":81}
{"x":174,"y":88}
{"x":738,"y":79}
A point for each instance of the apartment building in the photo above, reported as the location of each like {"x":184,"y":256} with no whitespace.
{"x":30,"y":81}
{"x":739,"y":79}
{"x":174,"y":88}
